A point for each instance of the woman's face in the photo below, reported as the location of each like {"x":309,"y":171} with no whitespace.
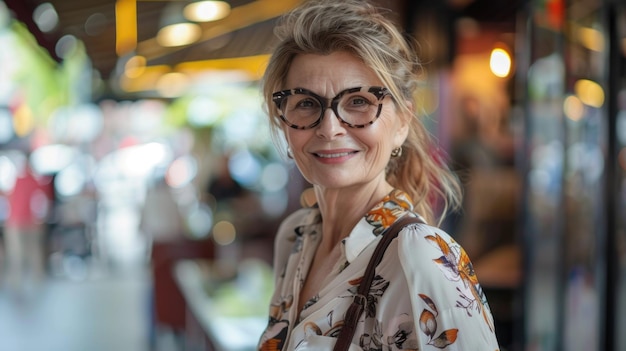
{"x":332,"y":154}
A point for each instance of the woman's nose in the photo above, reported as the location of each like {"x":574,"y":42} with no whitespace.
{"x":330,"y":126}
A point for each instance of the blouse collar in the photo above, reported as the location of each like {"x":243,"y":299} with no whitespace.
{"x":396,"y":204}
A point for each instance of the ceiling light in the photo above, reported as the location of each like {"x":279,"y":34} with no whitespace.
{"x":178,"y":34}
{"x":206,"y":10}
{"x":175,"y":29}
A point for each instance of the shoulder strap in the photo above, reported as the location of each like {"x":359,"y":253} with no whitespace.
{"x":360,"y":299}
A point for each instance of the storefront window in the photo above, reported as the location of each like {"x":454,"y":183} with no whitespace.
{"x":544,"y":141}
{"x":586,"y":138}
{"x":569,"y":226}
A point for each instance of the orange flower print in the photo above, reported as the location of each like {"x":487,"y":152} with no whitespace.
{"x":428,"y":326}
{"x":456,"y":266}
{"x":388,"y":210}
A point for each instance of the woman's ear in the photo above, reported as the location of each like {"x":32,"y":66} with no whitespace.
{"x":404,"y":125}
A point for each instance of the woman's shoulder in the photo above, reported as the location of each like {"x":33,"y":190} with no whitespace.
{"x":421,"y":242}
{"x":438,"y":270}
{"x":429,"y":255}
{"x":418,"y":227}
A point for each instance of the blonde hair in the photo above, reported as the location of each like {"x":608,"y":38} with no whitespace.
{"x":325,"y":26}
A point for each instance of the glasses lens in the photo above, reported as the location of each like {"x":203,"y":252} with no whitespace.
{"x":301,"y":110}
{"x":358,"y":108}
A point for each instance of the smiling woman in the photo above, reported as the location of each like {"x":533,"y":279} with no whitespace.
{"x":339,"y":90}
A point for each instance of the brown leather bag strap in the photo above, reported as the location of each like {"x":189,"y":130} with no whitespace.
{"x":360,"y":299}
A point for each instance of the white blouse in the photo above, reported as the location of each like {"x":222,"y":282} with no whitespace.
{"x":425,"y":295}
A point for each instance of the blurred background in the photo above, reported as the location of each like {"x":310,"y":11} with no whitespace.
{"x":140,"y":189}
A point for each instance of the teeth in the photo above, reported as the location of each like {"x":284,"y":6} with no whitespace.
{"x":333,"y":155}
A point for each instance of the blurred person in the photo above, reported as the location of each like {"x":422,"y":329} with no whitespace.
{"x":161,"y":219}
{"x":223,"y":187}
{"x":339,"y":87}
{"x":465,"y":150}
{"x":162,"y":224}
{"x":25,"y":228}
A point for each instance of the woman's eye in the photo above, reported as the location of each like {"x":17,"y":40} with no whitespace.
{"x":357,"y":101}
{"x":306,"y":104}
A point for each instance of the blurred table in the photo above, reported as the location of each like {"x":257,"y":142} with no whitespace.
{"x":206,"y":327}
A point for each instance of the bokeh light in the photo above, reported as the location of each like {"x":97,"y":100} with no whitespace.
{"x":224,"y":233}
{"x":500,"y":62}
{"x":573,"y":108}
{"x":589,"y":92}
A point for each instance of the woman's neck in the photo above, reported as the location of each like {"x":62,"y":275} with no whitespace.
{"x":341,"y":209}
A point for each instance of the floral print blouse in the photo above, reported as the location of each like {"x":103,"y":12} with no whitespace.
{"x":425,"y":295}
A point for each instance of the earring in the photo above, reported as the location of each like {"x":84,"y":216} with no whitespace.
{"x":289,"y":154}
{"x":397,"y":152}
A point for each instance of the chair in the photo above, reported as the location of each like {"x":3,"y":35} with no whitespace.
{"x":168,"y":306}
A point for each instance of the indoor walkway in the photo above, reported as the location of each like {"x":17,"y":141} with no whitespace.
{"x":103,"y":312}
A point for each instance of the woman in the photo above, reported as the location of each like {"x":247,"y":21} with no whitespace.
{"x":339,"y":87}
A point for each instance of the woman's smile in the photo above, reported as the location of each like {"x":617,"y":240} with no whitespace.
{"x":334,"y":156}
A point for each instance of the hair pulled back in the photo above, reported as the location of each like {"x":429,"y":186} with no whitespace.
{"x":323,"y":27}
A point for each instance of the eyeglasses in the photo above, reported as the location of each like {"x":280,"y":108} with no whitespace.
{"x":356,"y":107}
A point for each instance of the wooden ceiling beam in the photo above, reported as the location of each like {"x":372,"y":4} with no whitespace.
{"x":240,"y":17}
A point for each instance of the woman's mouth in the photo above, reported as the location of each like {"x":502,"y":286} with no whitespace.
{"x":334,"y":154}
